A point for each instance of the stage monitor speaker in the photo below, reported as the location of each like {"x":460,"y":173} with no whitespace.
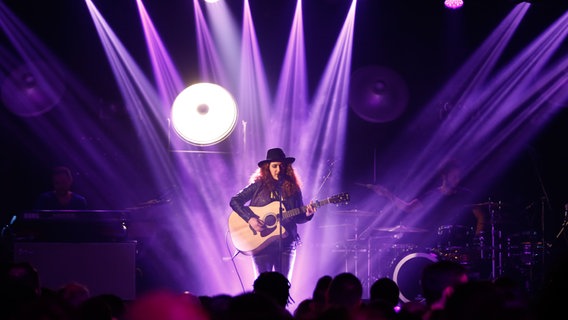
{"x":104,"y":267}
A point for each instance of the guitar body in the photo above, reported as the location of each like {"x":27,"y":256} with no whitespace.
{"x":246,"y":239}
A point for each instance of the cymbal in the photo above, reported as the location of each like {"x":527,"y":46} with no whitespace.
{"x":378,"y":93}
{"x":357,"y":212}
{"x":401,"y":229}
{"x":32,"y":89}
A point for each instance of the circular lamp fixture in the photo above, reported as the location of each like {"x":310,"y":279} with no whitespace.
{"x":204,"y":114}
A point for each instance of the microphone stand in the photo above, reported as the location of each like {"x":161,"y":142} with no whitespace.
{"x":326,"y":177}
{"x":564,"y":223}
{"x":279,"y":184}
{"x":544,"y":202}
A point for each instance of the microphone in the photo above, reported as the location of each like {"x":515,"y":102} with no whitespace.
{"x":281,"y":178}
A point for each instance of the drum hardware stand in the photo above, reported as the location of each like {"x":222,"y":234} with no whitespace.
{"x":356,"y":249}
{"x":496,"y":262}
{"x":366,"y":236}
{"x":544,"y":201}
{"x":358,"y":237}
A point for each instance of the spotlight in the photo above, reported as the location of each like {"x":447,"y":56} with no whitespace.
{"x":453,"y":4}
{"x":204,"y":114}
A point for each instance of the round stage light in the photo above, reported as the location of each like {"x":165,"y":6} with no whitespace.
{"x":204,"y":114}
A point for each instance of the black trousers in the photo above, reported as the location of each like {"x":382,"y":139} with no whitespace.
{"x":274,"y":258}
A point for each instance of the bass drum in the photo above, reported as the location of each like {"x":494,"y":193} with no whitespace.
{"x":406,"y":272}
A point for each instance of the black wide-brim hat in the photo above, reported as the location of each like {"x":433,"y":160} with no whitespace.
{"x":276,"y":155}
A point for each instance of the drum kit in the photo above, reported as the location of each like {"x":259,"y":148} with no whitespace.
{"x":486,"y":256}
{"x":380,"y":252}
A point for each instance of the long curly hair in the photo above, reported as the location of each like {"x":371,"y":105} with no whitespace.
{"x":292,"y":182}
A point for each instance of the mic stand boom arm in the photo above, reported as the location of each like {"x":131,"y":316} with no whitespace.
{"x":564,"y":223}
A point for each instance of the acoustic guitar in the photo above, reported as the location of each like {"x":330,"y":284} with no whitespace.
{"x":248,"y":241}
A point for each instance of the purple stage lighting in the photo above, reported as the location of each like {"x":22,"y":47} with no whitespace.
{"x":453,"y":4}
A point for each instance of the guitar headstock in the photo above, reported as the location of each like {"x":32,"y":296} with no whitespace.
{"x":341,"y":198}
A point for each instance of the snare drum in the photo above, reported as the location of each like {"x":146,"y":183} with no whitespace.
{"x":467,"y":256}
{"x":407,"y":271}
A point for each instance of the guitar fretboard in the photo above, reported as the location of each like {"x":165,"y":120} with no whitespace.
{"x":297,"y":211}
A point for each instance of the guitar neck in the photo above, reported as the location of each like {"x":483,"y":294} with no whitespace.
{"x":294,"y":212}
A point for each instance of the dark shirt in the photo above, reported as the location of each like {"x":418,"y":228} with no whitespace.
{"x":48,"y":201}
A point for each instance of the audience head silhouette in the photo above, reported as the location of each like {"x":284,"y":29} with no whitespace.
{"x":254,"y":306}
{"x":274,"y":285}
{"x":385,"y":289}
{"x":439,"y":277}
{"x":345,"y":290}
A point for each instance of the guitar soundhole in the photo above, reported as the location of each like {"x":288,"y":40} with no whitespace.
{"x":269,"y":221}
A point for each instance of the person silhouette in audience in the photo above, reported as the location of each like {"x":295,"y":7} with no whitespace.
{"x":344,"y":297}
{"x":61,"y":197}
{"x":274,"y":285}
{"x":23,"y":297}
{"x":483,"y":299}
{"x":312,"y":307}
{"x":383,"y":301}
{"x":19,"y":286}
{"x":254,"y":306}
{"x":385,"y":289}
{"x":102,"y":306}
{"x":552,"y":294}
{"x":74,"y":293}
{"x":216,"y":305}
{"x":437,"y":283}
